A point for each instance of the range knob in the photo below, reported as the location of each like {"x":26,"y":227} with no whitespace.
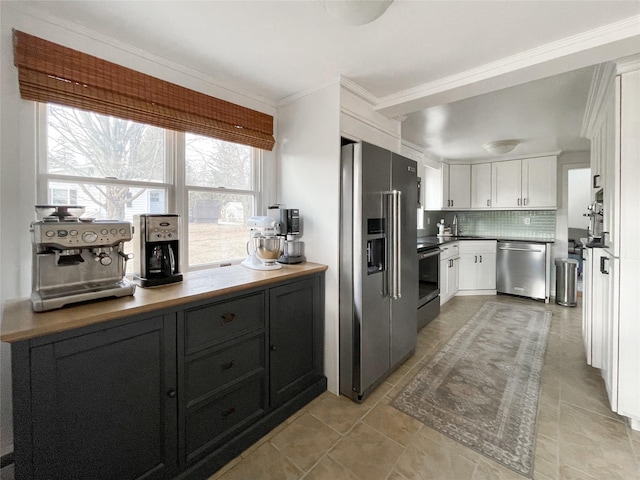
{"x":89,"y":237}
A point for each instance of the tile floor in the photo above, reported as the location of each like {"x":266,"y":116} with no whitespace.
{"x":579,"y":438}
{"x":333,"y":438}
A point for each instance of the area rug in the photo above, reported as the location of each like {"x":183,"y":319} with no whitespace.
{"x":482,"y":388}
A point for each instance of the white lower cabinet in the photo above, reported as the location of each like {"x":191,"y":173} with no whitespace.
{"x":449,"y":271}
{"x":596,"y":288}
{"x":477,"y":267}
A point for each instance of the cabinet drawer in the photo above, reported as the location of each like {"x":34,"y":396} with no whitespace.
{"x":212,"y":324}
{"x":209,"y":426}
{"x":449,"y":250}
{"x":478,"y":246}
{"x":213,"y":371}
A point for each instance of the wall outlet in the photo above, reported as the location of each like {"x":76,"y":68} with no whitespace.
{"x":527,"y":220}
{"x":428,"y":220}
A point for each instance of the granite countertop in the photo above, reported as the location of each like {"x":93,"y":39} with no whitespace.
{"x":433,"y":241}
{"x":20,"y":322}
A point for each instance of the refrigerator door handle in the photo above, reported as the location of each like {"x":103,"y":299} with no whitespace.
{"x":395,"y":215}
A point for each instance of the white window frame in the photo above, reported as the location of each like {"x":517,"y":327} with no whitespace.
{"x":174,"y":184}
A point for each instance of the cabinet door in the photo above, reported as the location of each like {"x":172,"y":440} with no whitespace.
{"x":506,"y":184}
{"x":460,"y":186}
{"x":444,"y":281}
{"x":481,"y":185}
{"x":539,"y":182}
{"x":432,"y":188}
{"x":468,"y":272}
{"x":446,"y":195}
{"x":610,"y":332}
{"x":104,"y":404}
{"x":295,"y":338}
{"x":454,"y":276}
{"x":599,"y":285}
{"x":486,"y":272}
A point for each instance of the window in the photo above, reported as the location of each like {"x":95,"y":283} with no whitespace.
{"x":118,"y":168}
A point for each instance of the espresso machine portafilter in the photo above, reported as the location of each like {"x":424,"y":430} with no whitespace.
{"x":156,"y":247}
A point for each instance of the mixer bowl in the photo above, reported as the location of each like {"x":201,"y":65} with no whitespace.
{"x":268,"y":248}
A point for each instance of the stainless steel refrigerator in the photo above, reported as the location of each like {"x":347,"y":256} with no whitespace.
{"x":378,"y":266}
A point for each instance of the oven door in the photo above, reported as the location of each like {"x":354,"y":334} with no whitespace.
{"x":429,"y":276}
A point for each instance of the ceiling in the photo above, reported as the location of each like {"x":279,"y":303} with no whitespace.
{"x":275,"y":49}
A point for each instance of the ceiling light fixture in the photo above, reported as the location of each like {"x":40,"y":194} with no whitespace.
{"x":500,"y":147}
{"x":356,"y":12}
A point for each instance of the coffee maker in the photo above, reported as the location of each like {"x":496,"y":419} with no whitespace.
{"x":291,"y":229}
{"x":77,"y":259}
{"x":156,"y":244}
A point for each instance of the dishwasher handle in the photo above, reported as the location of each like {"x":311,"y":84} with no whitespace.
{"x":521,"y":249}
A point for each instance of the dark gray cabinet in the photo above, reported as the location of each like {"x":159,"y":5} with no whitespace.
{"x":174,"y":394}
{"x":295,"y":338}
{"x":103,"y":404}
{"x":222,"y":353}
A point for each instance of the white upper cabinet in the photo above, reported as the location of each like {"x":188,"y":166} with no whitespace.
{"x":506,"y":184}
{"x":456,"y":186}
{"x":539,"y":182}
{"x":528,"y":183}
{"x":481,"y":185}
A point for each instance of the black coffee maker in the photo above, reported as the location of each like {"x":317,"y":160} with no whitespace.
{"x":155,"y":243}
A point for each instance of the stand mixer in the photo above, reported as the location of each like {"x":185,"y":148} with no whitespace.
{"x":265,"y":245}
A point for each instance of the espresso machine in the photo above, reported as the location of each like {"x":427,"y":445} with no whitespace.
{"x":265,"y":245}
{"x":77,"y":259}
{"x":596,"y":221}
{"x":156,"y":244}
{"x":291,"y":228}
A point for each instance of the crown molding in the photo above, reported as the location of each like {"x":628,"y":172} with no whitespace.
{"x":599,"y":91}
{"x":626,"y":29}
{"x":305,"y":93}
{"x":628,"y":64}
{"x":361,"y":92}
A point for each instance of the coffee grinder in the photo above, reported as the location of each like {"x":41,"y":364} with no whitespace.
{"x":290,"y":228}
{"x":156,"y":247}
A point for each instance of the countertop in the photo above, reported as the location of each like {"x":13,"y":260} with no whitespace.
{"x":433,"y":241}
{"x":20,"y":322}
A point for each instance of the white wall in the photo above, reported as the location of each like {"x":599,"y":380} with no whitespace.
{"x":309,"y":179}
{"x":18,"y":151}
{"x":579,"y":196}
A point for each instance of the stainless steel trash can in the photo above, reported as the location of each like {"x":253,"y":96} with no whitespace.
{"x":566,"y":281}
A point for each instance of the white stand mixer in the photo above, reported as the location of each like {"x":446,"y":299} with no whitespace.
{"x":265,"y":245}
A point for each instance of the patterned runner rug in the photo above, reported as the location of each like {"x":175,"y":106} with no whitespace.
{"x":482,"y":388}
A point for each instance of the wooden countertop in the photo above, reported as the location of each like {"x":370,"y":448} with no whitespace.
{"x":20,"y":322}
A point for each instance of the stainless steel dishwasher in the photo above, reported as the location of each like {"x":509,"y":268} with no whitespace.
{"x":522,"y":269}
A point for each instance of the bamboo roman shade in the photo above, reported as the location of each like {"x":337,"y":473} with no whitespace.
{"x":49,"y":72}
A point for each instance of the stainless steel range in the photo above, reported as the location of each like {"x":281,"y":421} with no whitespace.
{"x":77,"y":259}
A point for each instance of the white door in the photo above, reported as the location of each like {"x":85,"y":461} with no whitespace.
{"x":539,"y":182}
{"x":505,"y":184}
{"x":481,"y":185}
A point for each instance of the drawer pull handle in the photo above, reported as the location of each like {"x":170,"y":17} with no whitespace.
{"x":227,"y":366}
{"x":229,"y":411}
{"x":227,"y":318}
{"x":171,"y":393}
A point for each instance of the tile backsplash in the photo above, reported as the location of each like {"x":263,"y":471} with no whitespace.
{"x":499,"y":223}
